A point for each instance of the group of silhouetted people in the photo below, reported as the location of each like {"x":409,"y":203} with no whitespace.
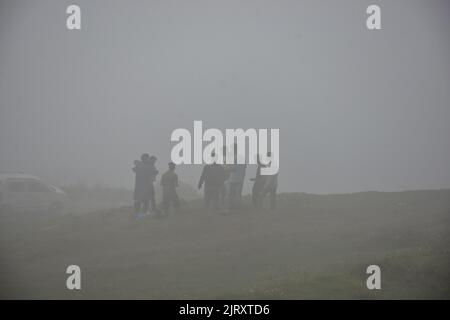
{"x":144,"y":190}
{"x":222,"y":185}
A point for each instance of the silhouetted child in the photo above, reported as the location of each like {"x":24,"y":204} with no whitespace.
{"x":169,"y":183}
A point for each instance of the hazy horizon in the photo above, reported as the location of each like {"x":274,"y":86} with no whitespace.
{"x":357,"y":110}
{"x":360,"y":208}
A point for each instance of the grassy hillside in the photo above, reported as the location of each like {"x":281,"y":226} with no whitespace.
{"x":312,"y":246}
{"x":84,"y":199}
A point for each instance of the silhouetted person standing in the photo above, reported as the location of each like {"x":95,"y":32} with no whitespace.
{"x":235,"y":180}
{"x":263,"y":185}
{"x":144,"y":191}
{"x":258,"y":186}
{"x":224,"y":190}
{"x":213,"y":176}
{"x":169,"y":183}
{"x":270,"y":187}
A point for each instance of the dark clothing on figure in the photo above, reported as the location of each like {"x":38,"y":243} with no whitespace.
{"x":169,"y":180}
{"x":213,"y":176}
{"x":170,"y":198}
{"x":223,"y":194}
{"x":258,"y":187}
{"x":235,"y":184}
{"x":169,"y":183}
{"x":270,"y":188}
{"x":144,"y":191}
{"x":212,"y":196}
{"x":262,"y":186}
{"x":145,"y":176}
{"x":234,"y":194}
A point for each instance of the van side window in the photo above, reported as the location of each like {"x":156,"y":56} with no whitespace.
{"x":37,"y":186}
{"x":16,"y":186}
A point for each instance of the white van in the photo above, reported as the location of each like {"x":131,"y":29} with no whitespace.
{"x":20,"y":192}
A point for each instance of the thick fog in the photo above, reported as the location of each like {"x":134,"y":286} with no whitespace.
{"x":357,"y":109}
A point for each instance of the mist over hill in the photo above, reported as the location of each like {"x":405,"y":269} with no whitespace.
{"x":83,"y":198}
{"x":312,"y":246}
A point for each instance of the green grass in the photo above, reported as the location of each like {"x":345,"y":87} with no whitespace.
{"x":312,"y":246}
{"x":406,"y":274}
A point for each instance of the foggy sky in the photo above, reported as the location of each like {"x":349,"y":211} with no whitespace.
{"x":357,"y":109}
